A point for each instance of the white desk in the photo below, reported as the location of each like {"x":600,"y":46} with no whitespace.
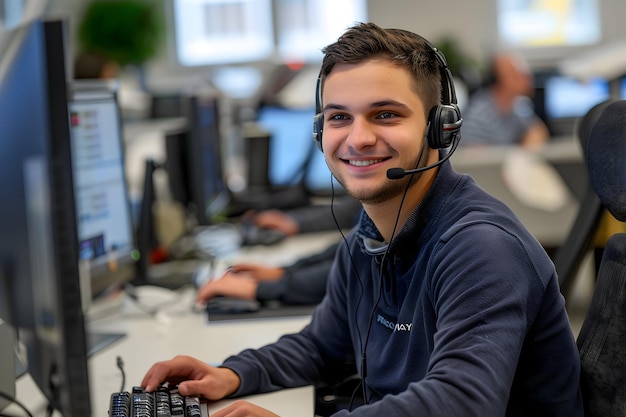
{"x":175,"y":330}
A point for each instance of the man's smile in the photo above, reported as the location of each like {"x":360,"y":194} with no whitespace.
{"x":363,"y":163}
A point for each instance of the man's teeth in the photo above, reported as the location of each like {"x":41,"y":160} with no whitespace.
{"x":364,"y":163}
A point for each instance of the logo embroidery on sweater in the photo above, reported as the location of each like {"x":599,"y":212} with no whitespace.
{"x":396,"y":327}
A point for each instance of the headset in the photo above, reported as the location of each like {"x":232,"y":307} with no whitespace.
{"x":444,"y":120}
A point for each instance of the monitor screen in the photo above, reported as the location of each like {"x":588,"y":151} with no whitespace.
{"x":294,"y":156}
{"x":566,"y":97}
{"x":39,"y":240}
{"x":538,"y":24}
{"x":212,"y":32}
{"x":105,"y":231}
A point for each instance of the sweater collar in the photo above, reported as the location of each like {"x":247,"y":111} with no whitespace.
{"x":418,"y":227}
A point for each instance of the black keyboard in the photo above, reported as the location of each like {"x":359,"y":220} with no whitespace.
{"x":162,"y":403}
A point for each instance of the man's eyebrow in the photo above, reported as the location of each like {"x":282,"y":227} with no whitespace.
{"x":374,"y":105}
{"x":332,"y":106}
{"x":389,"y":103}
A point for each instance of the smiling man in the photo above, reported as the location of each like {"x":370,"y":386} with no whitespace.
{"x":446,"y":304}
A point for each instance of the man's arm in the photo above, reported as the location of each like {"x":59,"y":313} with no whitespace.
{"x":321,"y":217}
{"x":303,"y":282}
{"x":304,"y":358}
{"x":536,"y":135}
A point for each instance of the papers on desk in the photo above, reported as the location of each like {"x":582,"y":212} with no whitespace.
{"x":533,"y":181}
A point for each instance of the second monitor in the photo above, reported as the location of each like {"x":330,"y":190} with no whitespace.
{"x":105,"y":225}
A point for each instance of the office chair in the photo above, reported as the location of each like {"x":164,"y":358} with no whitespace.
{"x":570,"y":254}
{"x":602,"y":339}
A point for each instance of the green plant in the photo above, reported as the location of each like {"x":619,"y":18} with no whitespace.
{"x":456,"y":59}
{"x":124,"y":31}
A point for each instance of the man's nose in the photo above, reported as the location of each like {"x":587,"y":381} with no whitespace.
{"x":361,"y":134}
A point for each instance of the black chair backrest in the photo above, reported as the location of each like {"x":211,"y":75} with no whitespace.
{"x":602,"y":338}
{"x":570,"y":254}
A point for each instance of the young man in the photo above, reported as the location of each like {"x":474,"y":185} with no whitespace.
{"x":446,"y":303}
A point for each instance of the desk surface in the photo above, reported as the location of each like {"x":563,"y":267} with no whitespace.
{"x":177,"y":330}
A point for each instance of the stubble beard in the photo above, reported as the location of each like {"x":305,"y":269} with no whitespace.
{"x":382,"y":193}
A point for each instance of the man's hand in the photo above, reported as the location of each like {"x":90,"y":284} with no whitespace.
{"x":230,"y":285}
{"x":240,"y":281}
{"x":276,"y":219}
{"x":258,"y":272}
{"x":193,"y":377}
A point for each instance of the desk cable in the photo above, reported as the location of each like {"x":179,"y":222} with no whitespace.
{"x":120,"y":365}
{"x":13,"y":400}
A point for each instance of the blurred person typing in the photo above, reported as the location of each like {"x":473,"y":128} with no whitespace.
{"x":302,"y":282}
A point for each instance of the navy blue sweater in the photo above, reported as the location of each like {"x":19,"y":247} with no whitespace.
{"x":470,"y":321}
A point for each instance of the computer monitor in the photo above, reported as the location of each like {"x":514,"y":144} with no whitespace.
{"x":39,"y":240}
{"x":294,"y":157}
{"x":566,"y":99}
{"x":176,"y":157}
{"x":107,"y":251}
{"x":194,"y":162}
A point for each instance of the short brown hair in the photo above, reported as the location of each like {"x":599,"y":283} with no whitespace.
{"x":366,"y":41}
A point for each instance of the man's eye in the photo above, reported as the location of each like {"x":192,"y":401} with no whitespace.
{"x":386,"y":115}
{"x":337,"y":117}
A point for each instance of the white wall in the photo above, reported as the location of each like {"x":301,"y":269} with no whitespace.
{"x":472,"y":23}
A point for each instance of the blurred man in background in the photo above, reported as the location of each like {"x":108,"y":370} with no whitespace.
{"x":501,"y":112}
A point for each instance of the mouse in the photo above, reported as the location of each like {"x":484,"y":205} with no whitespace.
{"x":230,"y":305}
{"x":150,"y":293}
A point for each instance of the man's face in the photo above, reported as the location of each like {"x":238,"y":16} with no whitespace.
{"x":515,"y":76}
{"x":373,"y":121}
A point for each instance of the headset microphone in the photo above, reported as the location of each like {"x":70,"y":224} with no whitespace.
{"x":398,"y":173}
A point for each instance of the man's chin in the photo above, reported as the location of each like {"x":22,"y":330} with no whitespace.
{"x":381,"y":194}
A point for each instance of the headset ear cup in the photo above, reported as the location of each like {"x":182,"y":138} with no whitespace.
{"x":318,"y":128}
{"x":434,"y":127}
{"x":445,"y":123}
